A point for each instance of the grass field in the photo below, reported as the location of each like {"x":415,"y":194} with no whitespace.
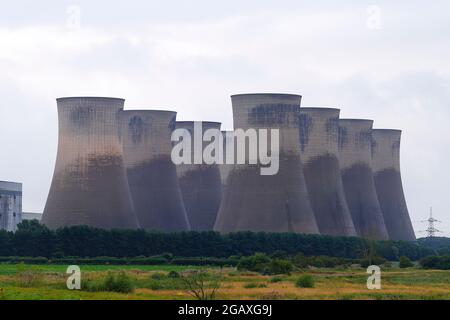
{"x":151,"y":282}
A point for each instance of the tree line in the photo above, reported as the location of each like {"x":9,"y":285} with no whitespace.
{"x":36,"y":240}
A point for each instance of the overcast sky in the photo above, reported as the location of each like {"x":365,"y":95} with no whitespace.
{"x":384,"y":60}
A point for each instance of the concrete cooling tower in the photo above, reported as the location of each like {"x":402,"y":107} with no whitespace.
{"x":319,"y":135}
{"x":271,"y":203}
{"x":355,"y":157}
{"x":225,"y":168}
{"x":89,"y":184}
{"x":200,"y":183}
{"x":151,"y":173}
{"x":388,"y":182}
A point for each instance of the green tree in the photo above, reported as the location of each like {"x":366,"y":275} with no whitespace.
{"x":405,"y":262}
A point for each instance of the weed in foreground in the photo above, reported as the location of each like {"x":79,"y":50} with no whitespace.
{"x":306,"y":281}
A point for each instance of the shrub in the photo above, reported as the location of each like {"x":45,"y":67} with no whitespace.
{"x":204,"y":261}
{"x":111,"y":261}
{"x":327,"y":262}
{"x":372,"y":261}
{"x":279,"y":254}
{"x":201,"y":285}
{"x":120,"y":282}
{"x":26,"y":260}
{"x":405,"y":262}
{"x":276,"y":279}
{"x":300,"y":261}
{"x":444,"y":251}
{"x":91,"y":261}
{"x":150,"y":261}
{"x":263,"y":264}
{"x":303,"y":262}
{"x":436,"y":262}
{"x":257,"y":262}
{"x":167,"y":255}
{"x":306,"y":281}
{"x":278,"y":266}
{"x":158,"y":276}
{"x":173,"y":274}
{"x":253,"y":285}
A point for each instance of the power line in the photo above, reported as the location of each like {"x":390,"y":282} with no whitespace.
{"x":431,"y":230}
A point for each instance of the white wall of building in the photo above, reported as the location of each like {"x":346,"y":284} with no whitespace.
{"x":10,"y":205}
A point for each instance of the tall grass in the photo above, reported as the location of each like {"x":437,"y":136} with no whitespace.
{"x":114,"y":282}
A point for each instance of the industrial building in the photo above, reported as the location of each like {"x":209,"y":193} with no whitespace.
{"x":114,"y":169}
{"x":152,"y":175}
{"x":319,"y":135}
{"x":28,"y":216}
{"x":388,"y":183}
{"x":200,"y":184}
{"x":355,"y":158}
{"x":90,"y":185}
{"x":10,"y":205}
{"x":271,"y":203}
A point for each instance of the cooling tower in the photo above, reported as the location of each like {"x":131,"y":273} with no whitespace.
{"x":319,"y":135}
{"x":200,"y":183}
{"x":388,"y":183}
{"x":226,"y":168}
{"x":151,"y":173}
{"x":89,"y":184}
{"x":355,"y":139}
{"x":271,"y":203}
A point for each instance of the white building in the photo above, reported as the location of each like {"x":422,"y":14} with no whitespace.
{"x":10,"y":205}
{"x":31,"y":216}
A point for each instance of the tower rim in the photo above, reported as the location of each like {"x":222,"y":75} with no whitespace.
{"x":89,"y":97}
{"x":293,"y":95}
